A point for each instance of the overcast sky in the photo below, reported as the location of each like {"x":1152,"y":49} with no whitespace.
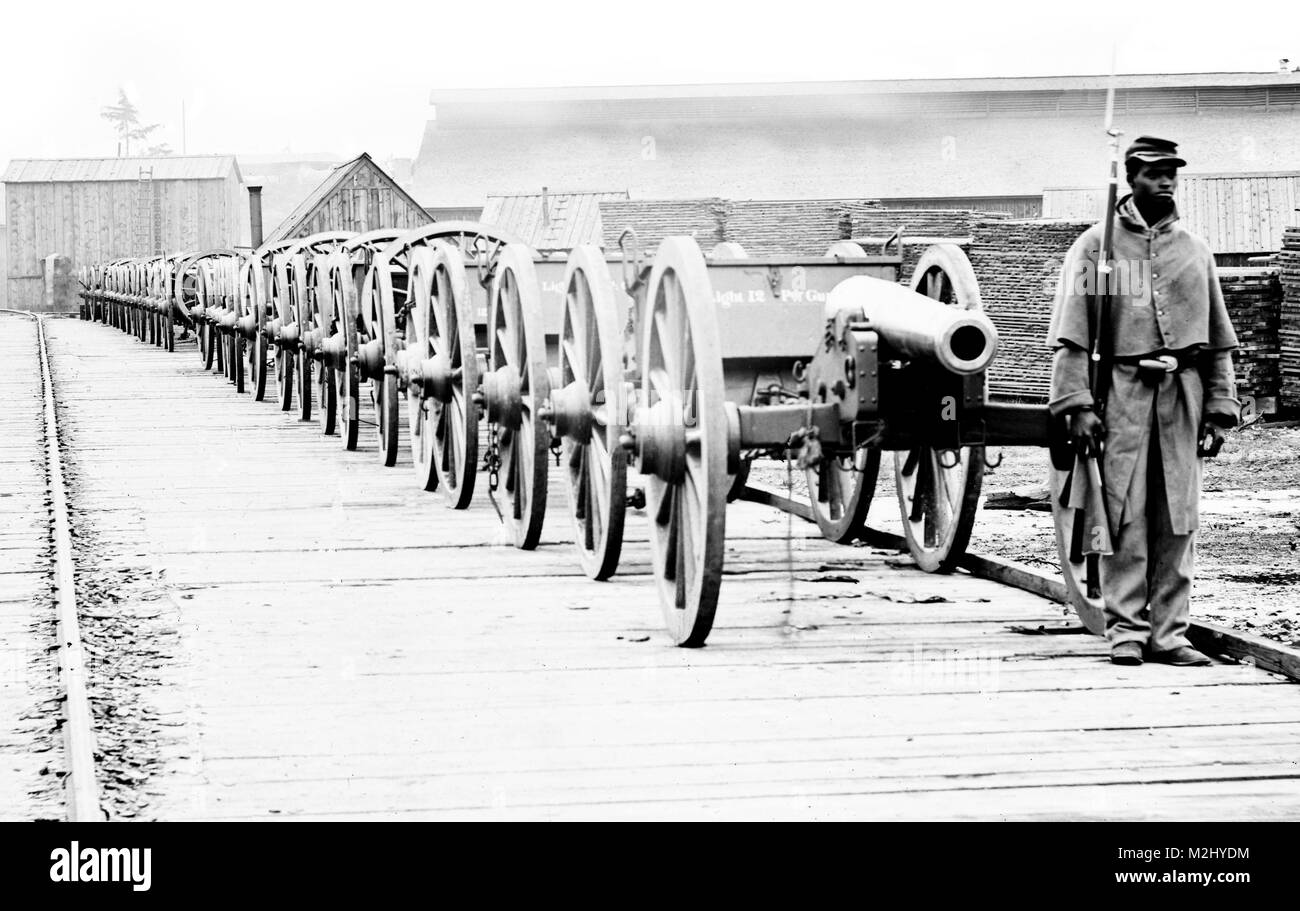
{"x":346,"y":77}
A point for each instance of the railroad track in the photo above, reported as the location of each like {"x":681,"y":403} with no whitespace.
{"x":80,"y":788}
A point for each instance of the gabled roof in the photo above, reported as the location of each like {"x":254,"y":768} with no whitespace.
{"x":336,"y":179}
{"x":570,"y":220}
{"x":93,"y":170}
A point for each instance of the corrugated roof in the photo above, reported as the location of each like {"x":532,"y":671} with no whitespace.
{"x":95,"y":170}
{"x":570,"y":220}
{"x":304,"y":209}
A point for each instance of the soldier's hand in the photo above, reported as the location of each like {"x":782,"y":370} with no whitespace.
{"x":1210,"y":440}
{"x":1087,"y":432}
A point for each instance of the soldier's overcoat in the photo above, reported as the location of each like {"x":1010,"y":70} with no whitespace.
{"x":1165,"y":298}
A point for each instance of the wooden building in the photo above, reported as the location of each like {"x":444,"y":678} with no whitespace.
{"x":550,"y":221}
{"x":1240,"y":215}
{"x":97,"y":209}
{"x":357,"y":196}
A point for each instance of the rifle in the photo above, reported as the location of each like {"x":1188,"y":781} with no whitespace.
{"x":1099,"y":359}
{"x":1102,"y":342}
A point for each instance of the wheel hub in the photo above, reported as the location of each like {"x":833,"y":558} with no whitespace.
{"x":311,"y":342}
{"x":370,"y":359}
{"x":661,"y":443}
{"x":571,"y":412}
{"x":433,"y":377}
{"x":333,"y":350}
{"x":502,"y":393}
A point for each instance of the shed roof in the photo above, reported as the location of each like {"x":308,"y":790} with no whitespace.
{"x":94,"y":170}
{"x":571,"y":219}
{"x":327,"y":186}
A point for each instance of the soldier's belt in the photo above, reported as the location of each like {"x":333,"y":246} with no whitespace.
{"x":1154,"y":367}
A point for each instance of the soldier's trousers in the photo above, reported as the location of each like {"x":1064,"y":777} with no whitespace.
{"x":1147,"y":581}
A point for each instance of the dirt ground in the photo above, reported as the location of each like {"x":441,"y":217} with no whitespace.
{"x":1248,"y":548}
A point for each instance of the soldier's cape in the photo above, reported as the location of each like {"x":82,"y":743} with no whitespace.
{"x":1165,"y":296}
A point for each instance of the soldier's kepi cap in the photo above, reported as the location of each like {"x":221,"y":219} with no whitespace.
{"x":1150,"y":149}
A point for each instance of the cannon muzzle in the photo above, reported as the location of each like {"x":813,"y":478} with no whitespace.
{"x":915,"y":326}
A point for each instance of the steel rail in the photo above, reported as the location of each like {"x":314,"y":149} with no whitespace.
{"x":81,"y":788}
{"x":1210,"y":638}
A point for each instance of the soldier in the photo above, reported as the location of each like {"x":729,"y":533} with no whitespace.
{"x":1171,"y":398}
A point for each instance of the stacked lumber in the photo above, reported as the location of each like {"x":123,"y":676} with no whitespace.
{"x":1289,"y":320}
{"x":655,"y":219}
{"x":1253,"y":297}
{"x":795,"y":227}
{"x":1018,"y":265}
{"x":921,"y":228}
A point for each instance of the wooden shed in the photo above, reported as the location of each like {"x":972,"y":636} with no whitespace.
{"x":97,"y":209}
{"x":550,"y":221}
{"x":1240,"y":215}
{"x":357,"y":196}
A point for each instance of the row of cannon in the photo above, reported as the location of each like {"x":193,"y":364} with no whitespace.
{"x":654,"y":381}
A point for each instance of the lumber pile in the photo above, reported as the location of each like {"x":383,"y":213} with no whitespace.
{"x":1253,"y":297}
{"x":655,"y":219}
{"x":1018,"y":264}
{"x":1289,"y":320}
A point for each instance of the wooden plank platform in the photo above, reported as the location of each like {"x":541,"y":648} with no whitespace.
{"x":350,"y":648}
{"x":30,"y":758}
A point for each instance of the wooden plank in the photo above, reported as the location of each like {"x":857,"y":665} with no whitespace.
{"x":1212,"y":639}
{"x":26,"y":671}
{"x":459,"y":676}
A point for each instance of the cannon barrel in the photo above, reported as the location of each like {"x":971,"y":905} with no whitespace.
{"x":961,"y":341}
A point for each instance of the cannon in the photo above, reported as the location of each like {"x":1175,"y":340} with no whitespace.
{"x":679,"y":376}
{"x":860,"y":366}
{"x":653,"y":381}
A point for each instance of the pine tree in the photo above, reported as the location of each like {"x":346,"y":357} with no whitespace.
{"x":126,"y":121}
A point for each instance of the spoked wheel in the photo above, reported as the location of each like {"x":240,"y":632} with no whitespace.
{"x":207,"y":343}
{"x":347,"y":374}
{"x":322,"y":319}
{"x":327,"y":409}
{"x":939,"y":489}
{"x":681,"y":433}
{"x":1082,"y":572}
{"x":280,"y":315}
{"x":840,"y":489}
{"x":284,"y":363}
{"x":252,"y":308}
{"x":589,"y":412}
{"x":236,"y":357}
{"x":304,"y":316}
{"x":218,"y":343}
{"x":306,"y":379}
{"x":169,"y":324}
{"x":515,"y":389}
{"x":375,"y":352}
{"x":442,"y":374}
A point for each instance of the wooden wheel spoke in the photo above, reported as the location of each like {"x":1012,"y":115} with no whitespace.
{"x":577,"y":361}
{"x":662,"y":384}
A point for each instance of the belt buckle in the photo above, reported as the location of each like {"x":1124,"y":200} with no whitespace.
{"x":1164,"y":363}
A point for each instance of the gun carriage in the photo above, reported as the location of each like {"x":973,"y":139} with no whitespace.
{"x":653,"y":381}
